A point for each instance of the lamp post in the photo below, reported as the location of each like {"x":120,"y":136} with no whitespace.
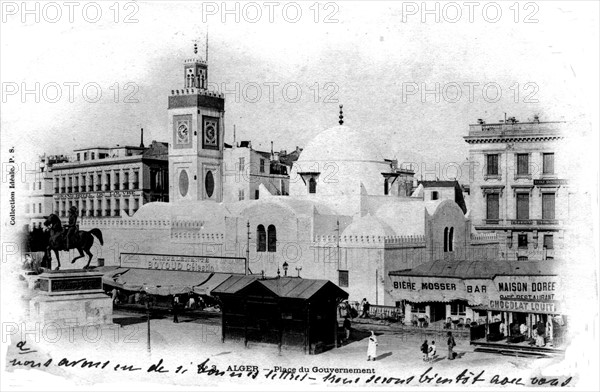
{"x":285,"y":268}
{"x":298,"y":269}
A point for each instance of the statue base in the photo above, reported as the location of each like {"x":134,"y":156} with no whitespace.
{"x":71,"y":298}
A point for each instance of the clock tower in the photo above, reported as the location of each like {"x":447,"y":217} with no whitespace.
{"x":196,"y":148}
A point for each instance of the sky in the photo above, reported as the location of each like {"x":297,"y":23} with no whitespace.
{"x":375,"y":58}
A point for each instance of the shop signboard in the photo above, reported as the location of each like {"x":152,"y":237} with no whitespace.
{"x":524,"y":306}
{"x":527,"y":293}
{"x":183,"y":263}
{"x":424,"y":288}
{"x":528,"y":287}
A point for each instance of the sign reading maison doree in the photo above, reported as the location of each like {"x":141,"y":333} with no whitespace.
{"x":183,"y":263}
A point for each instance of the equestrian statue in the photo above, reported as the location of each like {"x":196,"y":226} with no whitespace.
{"x":70,"y":237}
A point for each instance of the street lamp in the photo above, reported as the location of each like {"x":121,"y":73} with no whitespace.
{"x":285,"y":268}
{"x":298,"y":269}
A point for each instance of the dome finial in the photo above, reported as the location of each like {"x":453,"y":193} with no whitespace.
{"x":341,"y":115}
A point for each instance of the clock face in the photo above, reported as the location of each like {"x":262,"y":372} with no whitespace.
{"x":210,"y":133}
{"x":183,"y":133}
{"x":210,"y":137}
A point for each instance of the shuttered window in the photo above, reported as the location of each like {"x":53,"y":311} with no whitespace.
{"x":548,"y":163}
{"x":522,"y":205}
{"x":522,"y":164}
{"x":261,"y":239}
{"x":493,"y":206}
{"x":492,"y":164}
{"x":272,"y":239}
{"x":548,"y":241}
{"x":548,"y":200}
{"x":343,"y":278}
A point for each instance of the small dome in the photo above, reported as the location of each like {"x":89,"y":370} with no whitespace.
{"x":368,"y":225}
{"x":340,"y":143}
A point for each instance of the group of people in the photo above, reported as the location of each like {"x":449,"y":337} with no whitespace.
{"x":430,"y":351}
{"x":537,"y":336}
{"x":358,"y":310}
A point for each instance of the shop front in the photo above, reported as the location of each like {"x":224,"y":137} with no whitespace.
{"x":502,"y":302}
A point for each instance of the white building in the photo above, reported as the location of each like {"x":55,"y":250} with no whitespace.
{"x":246,"y":169}
{"x":520,"y":186}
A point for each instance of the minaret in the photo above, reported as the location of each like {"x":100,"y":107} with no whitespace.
{"x":196,"y":119}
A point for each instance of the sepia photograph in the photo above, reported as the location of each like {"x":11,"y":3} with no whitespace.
{"x":308,"y":195}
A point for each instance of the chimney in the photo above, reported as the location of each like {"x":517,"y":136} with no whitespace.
{"x":142,"y":138}
{"x":271,"y":149}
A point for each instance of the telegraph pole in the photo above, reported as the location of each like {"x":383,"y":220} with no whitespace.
{"x":247,"y":264}
{"x":338,"y":243}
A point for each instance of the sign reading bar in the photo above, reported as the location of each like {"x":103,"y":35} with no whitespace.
{"x":183,"y":263}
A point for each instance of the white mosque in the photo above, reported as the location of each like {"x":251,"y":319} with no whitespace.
{"x":351,"y":215}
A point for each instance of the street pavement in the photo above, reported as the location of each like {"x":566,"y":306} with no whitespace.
{"x":180,"y":347}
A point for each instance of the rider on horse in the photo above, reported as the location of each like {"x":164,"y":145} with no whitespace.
{"x":72,"y":228}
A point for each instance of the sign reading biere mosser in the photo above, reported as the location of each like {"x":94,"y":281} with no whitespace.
{"x":183,"y":263}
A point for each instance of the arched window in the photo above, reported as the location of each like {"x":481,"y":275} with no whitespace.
{"x":451,"y":240}
{"x":446,"y":239}
{"x":272,"y":239}
{"x":312,"y":186}
{"x":261,"y":239}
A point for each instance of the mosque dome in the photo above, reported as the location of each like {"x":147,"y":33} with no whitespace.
{"x":341,"y":162}
{"x":341,"y":143}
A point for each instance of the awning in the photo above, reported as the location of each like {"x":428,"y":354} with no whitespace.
{"x":479,"y":283}
{"x":158,"y":282}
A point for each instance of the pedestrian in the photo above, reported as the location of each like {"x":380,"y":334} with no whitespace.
{"x":365,"y":308}
{"x":191,"y":303}
{"x":114,"y":295}
{"x":432,"y":351}
{"x":174,"y":308}
{"x":372,"y":348}
{"x":502,"y":329}
{"x":347,"y":327}
{"x":451,"y":345}
{"x":425,"y":351}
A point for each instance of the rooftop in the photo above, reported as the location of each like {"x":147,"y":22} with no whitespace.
{"x":515,"y":129}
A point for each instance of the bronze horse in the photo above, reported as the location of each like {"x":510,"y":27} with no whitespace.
{"x":83,"y":240}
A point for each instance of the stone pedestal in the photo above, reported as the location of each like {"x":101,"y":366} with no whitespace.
{"x":71,"y":298}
